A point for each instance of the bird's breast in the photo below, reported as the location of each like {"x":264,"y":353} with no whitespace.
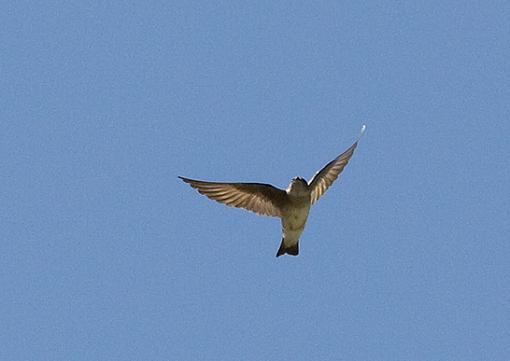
{"x":294,"y":218}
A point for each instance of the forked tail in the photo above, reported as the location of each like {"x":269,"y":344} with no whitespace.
{"x":291,"y":250}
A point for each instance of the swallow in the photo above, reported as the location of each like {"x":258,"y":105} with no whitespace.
{"x":291,"y":205}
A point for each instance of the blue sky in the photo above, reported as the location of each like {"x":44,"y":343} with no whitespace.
{"x":106,"y":255}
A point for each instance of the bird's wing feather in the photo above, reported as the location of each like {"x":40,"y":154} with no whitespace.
{"x":260,"y":198}
{"x":327,"y":175}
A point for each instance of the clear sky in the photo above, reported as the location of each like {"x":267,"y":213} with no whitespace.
{"x":106,"y":255}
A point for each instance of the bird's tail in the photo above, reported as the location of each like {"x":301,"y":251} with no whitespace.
{"x":292,"y":250}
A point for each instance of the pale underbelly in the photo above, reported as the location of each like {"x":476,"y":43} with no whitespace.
{"x":292,"y":237}
{"x":293,"y":224}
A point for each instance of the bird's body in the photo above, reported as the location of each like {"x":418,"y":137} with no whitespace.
{"x":294,"y":215}
{"x":292,"y":205}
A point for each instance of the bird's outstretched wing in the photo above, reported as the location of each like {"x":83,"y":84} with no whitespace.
{"x":260,"y":198}
{"x":327,"y":175}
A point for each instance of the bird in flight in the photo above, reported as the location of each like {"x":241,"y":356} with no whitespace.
{"x":291,"y":205}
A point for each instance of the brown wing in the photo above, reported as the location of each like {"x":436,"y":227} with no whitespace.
{"x":260,"y":198}
{"x":327,"y":175}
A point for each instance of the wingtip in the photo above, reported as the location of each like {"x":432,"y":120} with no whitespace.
{"x":362,"y":131}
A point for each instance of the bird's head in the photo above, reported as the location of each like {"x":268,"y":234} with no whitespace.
{"x":298,"y":184}
{"x":299,"y":180}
